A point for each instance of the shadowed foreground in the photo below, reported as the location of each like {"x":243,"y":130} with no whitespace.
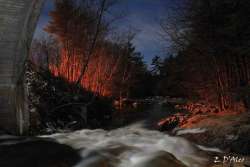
{"x":23,"y":152}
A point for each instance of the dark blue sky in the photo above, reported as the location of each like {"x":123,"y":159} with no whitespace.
{"x":141,"y":15}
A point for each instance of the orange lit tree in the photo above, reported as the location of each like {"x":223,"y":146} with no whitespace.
{"x":86,"y":56}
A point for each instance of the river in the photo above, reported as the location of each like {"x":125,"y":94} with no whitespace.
{"x":132,"y":146}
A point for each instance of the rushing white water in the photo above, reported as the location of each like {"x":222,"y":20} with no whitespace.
{"x":132,"y":146}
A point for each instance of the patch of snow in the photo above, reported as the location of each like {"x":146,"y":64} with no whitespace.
{"x":232,"y":137}
{"x":209,"y":149}
{"x":190,"y":131}
{"x":4,"y":137}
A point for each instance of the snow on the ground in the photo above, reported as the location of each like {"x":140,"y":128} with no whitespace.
{"x":191,"y":131}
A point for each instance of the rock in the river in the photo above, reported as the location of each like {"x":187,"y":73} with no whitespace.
{"x":169,"y":123}
{"x":36,"y":153}
{"x":241,"y":146}
{"x":163,"y":159}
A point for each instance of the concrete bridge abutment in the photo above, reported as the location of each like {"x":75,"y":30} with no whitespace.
{"x":18,"y":19}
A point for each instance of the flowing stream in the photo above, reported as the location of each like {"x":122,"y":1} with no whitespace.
{"x":133,"y":146}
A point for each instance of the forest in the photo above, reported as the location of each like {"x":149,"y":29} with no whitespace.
{"x":84,"y":65}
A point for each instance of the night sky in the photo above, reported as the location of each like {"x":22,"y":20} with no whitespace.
{"x":140,"y":15}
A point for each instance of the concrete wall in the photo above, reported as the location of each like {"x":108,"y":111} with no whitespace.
{"x":18,"y":20}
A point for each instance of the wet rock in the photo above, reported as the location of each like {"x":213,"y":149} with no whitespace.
{"x":97,"y":161}
{"x":241,"y":146}
{"x":118,"y":149}
{"x":163,"y":159}
{"x":101,"y":163}
{"x":37,"y":153}
{"x":169,"y":124}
